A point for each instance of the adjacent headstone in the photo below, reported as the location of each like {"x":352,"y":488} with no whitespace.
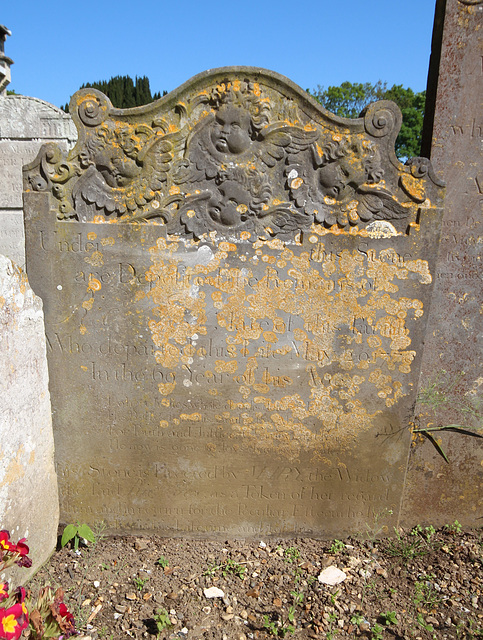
{"x":28,"y":484}
{"x":25,"y":124}
{"x":451,"y":387}
{"x":236,"y":285}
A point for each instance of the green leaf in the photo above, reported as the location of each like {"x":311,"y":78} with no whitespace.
{"x":69,"y":532}
{"x":435,"y":444}
{"x":459,"y":429}
{"x":84,"y":531}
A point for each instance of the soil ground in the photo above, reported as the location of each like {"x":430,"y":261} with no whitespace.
{"x":417,"y":585}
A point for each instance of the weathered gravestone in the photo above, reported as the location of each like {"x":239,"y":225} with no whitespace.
{"x":236,"y":285}
{"x":29,"y":504}
{"x":25,"y":124}
{"x":451,"y":387}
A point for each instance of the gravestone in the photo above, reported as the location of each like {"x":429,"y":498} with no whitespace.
{"x":451,"y":387}
{"x":29,"y":504}
{"x":25,"y":124}
{"x":236,"y":285}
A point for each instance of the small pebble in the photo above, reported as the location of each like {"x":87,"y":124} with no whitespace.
{"x":213,"y":592}
{"x":332,"y":576}
{"x":141,"y":545}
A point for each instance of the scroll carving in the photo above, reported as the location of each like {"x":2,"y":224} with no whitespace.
{"x":234,"y":152}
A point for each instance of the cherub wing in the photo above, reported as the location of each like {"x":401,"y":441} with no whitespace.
{"x":283,"y":219}
{"x":191,"y":215}
{"x":158,"y":156}
{"x":379,"y":204}
{"x":280,"y":140}
{"x":196,"y":165}
{"x":92,"y":194}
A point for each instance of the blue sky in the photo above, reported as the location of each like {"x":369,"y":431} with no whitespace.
{"x":59,"y":46}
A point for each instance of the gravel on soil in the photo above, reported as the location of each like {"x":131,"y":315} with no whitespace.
{"x":417,"y":585}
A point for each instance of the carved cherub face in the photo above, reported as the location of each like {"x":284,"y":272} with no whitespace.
{"x":230,"y":131}
{"x":230,"y":206}
{"x":114,"y":153}
{"x":117,"y":169}
{"x":339,"y":178}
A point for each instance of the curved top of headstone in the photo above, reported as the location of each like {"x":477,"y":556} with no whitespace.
{"x":25,"y":117}
{"x":236,"y":150}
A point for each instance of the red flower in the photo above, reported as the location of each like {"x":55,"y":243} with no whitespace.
{"x":20,"y":594}
{"x":21,"y":548}
{"x":66,"y":614}
{"x":62,"y":615}
{"x":5,"y":542}
{"x":3,"y":591}
{"x":13,"y":621}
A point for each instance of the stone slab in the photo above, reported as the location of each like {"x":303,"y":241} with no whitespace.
{"x":12,"y":237}
{"x":28,"y":484}
{"x":235,"y":286}
{"x":439,"y":492}
{"x":27,"y":118}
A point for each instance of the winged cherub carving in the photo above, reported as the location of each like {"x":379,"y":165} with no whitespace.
{"x":126,"y":168}
{"x":342,"y":184}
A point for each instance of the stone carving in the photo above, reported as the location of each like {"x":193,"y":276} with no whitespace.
{"x":233,"y":155}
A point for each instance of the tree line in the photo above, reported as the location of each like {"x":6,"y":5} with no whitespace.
{"x":123,"y":91}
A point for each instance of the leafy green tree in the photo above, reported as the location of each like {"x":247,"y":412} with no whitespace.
{"x":349,"y":99}
{"x":408,"y":142}
{"x":124,"y":92}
